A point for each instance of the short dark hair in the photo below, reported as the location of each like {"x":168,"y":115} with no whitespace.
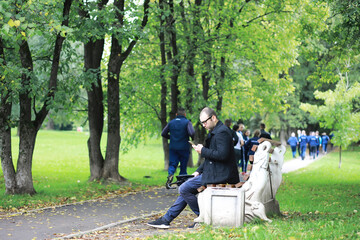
{"x":235,"y":127}
{"x":227,"y":122}
{"x":181,"y":111}
{"x":208,"y":111}
{"x":262,"y":125}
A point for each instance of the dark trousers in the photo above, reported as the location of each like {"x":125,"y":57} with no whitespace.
{"x":313,"y":151}
{"x":293,"y":149}
{"x":188,"y":192}
{"x":176,"y":157}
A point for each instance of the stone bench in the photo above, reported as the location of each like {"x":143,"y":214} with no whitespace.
{"x":233,"y":204}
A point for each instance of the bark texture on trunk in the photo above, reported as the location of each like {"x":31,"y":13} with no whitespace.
{"x":92,"y":56}
{"x":5,"y":132}
{"x":93,"y":51}
{"x":163,"y":111}
{"x":173,"y":58}
{"x":27,"y":128}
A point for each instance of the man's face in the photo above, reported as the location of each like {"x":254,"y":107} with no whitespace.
{"x":241,"y":127}
{"x":207,"y":121}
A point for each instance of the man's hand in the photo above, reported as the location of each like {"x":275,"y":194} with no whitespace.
{"x":196,"y":174}
{"x":198,"y":147}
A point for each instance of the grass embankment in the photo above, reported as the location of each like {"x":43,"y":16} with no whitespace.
{"x":319,"y":202}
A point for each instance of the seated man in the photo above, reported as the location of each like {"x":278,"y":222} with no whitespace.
{"x":219,"y":167}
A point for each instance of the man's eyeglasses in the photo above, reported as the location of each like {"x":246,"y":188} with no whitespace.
{"x":203,"y":122}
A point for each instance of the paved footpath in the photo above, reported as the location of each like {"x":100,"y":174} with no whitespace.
{"x":74,"y":220}
{"x":297,"y":163}
{"x":66,"y":220}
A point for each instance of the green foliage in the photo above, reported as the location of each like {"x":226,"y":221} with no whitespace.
{"x":259,"y":42}
{"x":38,"y":23}
{"x":338,"y":112}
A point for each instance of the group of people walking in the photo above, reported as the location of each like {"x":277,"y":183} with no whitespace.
{"x":313,"y":141}
{"x":243,"y":146}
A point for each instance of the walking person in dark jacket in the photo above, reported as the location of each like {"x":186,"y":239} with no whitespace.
{"x":293,"y":142}
{"x":178,"y":131}
{"x":303,"y":141}
{"x":219,"y":167}
{"x":313,"y":142}
{"x":325,"y":140}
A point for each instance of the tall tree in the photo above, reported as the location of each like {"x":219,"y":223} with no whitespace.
{"x":117,"y":57}
{"x":93,"y":52}
{"x":31,"y":119}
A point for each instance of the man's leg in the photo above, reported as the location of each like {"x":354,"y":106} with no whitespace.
{"x":303,"y":149}
{"x":188,"y":191}
{"x":184,"y":158}
{"x":173,"y":162}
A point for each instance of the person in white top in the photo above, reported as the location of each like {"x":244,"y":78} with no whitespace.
{"x":238,"y":147}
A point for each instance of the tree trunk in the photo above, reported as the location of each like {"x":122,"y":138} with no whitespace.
{"x":27,"y":130}
{"x":116,"y":60}
{"x":111,"y":169}
{"x":191,"y":52}
{"x":219,"y":85}
{"x":283,"y":136}
{"x":173,"y":58}
{"x":340,"y":157}
{"x":92,"y":56}
{"x":5,"y":134}
{"x":190,"y":161}
{"x":163,"y":112}
{"x":200,"y":136}
{"x":6,"y":157}
{"x":93,"y":51}
{"x":111,"y":166}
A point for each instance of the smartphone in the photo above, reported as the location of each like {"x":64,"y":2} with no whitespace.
{"x":192,"y":143}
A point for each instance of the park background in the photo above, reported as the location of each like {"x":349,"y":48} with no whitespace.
{"x":117,"y":71}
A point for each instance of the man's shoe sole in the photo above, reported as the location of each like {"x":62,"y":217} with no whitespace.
{"x":158,"y":226}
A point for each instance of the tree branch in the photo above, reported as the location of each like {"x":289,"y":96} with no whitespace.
{"x":268,"y":13}
{"x":143,"y":24}
{"x":54,"y":68}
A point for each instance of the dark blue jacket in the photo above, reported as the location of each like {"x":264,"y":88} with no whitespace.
{"x":313,"y":141}
{"x":220,"y":164}
{"x":250,"y":143}
{"x":178,"y":131}
{"x":303,"y":140}
{"x":325,"y":139}
{"x":293,"y":141}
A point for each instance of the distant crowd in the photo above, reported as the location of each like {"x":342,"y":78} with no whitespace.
{"x":313,"y":141}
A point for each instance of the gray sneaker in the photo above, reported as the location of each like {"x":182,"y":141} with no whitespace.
{"x":159,"y":223}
